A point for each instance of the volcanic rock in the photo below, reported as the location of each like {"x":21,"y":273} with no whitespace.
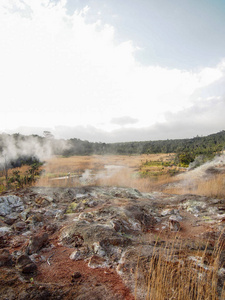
{"x":19,"y":226}
{"x":37,"y":242}
{"x":25,"y":265}
{"x":9,"y":204}
{"x":5,"y":257}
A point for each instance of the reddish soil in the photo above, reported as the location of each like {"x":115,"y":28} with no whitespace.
{"x":62,"y":268}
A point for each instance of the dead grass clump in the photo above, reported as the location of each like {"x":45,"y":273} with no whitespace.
{"x":174,"y":273}
{"x":211,"y":187}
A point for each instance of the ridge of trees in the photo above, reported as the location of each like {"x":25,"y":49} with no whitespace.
{"x":205,"y":145}
{"x":192,"y":147}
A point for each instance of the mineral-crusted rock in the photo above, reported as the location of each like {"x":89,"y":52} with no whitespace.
{"x":5,"y":229}
{"x":81,"y":253}
{"x":97,"y":262}
{"x":98,"y":249}
{"x":72,"y":238}
{"x":9,"y":204}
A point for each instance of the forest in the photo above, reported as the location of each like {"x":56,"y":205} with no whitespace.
{"x":18,"y":149}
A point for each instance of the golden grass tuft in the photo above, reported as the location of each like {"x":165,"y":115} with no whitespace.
{"x":211,"y":187}
{"x":175,"y":273}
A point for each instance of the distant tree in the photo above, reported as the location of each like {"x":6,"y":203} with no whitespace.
{"x":48,"y":134}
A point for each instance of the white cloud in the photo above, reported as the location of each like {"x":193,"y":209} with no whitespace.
{"x":56,"y":69}
{"x":125,"y":120}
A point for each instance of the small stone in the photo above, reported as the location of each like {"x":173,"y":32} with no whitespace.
{"x":98,"y":249}
{"x":75,"y":276}
{"x":51,"y":228}
{"x":5,"y":257}
{"x":35,"y":219}
{"x":176,"y":218}
{"x":25,"y":265}
{"x":174,"y":225}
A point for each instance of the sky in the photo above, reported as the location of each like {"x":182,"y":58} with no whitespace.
{"x":112,"y":70}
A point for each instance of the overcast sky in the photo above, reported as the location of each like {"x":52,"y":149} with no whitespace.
{"x":112,"y":70}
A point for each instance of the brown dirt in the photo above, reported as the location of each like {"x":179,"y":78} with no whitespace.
{"x":61,"y":269}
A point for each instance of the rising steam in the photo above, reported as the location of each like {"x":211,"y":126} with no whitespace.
{"x":205,"y":171}
{"x":12,"y":147}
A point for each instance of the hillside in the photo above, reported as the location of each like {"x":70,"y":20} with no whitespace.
{"x":200,"y":145}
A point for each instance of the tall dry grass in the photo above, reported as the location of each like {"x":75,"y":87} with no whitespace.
{"x":211,"y":187}
{"x":175,"y":273}
{"x":126,"y":176}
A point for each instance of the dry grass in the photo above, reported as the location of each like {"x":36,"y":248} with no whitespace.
{"x":126,"y":176}
{"x":214,"y":187}
{"x":211,"y":187}
{"x":174,"y":273}
{"x":158,"y":178}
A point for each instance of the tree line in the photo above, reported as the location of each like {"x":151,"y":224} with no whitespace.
{"x":186,"y":149}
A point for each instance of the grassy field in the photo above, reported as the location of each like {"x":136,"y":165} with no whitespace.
{"x":143,"y":172}
{"x":147,"y":173}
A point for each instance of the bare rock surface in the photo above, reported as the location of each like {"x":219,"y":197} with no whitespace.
{"x":50,"y":235}
{"x":9,"y":204}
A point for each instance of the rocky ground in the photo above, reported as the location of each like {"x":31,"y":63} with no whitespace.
{"x":96,"y":242}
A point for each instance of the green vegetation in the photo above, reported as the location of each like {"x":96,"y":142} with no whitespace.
{"x":197,"y":150}
{"x":158,"y":168}
{"x":18,"y":180}
{"x":187,"y":149}
{"x":206,"y":146}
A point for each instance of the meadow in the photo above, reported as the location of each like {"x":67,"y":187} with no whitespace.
{"x":147,"y":173}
